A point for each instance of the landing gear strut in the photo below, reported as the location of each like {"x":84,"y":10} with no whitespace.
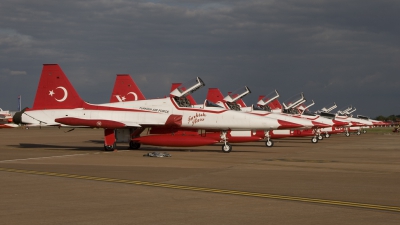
{"x":347,"y":133}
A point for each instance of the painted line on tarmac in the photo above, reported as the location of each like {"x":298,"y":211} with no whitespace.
{"x":45,"y":157}
{"x":60,"y":156}
{"x":211,"y":190}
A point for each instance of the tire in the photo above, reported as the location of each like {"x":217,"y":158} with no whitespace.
{"x":327,"y":135}
{"x":314,"y":140}
{"x":364,"y":131}
{"x":226,"y":148}
{"x":134,"y":145}
{"x":358,"y":133}
{"x":347,"y":134}
{"x":320,"y":137}
{"x":109,"y":147}
{"x":269,"y":143}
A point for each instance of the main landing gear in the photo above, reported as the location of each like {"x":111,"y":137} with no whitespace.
{"x":317,"y":136}
{"x":269,"y":142}
{"x":347,"y":133}
{"x":327,"y":135}
{"x":314,"y":139}
{"x":110,"y":147}
{"x":226,"y":148}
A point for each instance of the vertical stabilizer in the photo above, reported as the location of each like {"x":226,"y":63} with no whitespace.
{"x":275,"y":105}
{"x":215,"y":95}
{"x":55,"y":91}
{"x":125,"y":89}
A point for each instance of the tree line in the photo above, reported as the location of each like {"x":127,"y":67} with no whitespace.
{"x":393,"y":118}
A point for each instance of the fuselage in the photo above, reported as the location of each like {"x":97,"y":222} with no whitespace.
{"x":151,"y":112}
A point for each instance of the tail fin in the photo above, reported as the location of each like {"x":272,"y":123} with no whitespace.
{"x":215,"y":95}
{"x":55,"y":91}
{"x":275,"y":104}
{"x":189,"y":97}
{"x":125,"y":89}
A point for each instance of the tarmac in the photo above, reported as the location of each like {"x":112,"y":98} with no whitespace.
{"x":57,"y":176}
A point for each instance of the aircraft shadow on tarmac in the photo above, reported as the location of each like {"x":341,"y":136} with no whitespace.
{"x":122,"y":147}
{"x":65,"y":147}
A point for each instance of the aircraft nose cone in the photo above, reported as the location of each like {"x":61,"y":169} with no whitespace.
{"x":320,"y":125}
{"x":288,"y":125}
{"x":338,"y":123}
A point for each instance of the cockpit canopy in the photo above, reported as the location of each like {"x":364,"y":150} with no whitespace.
{"x":208,"y":103}
{"x":237,"y":94}
{"x":346,"y":111}
{"x":233,"y":106}
{"x":294,"y":101}
{"x":268,"y":98}
{"x":261,"y":108}
{"x":363,"y":117}
{"x":327,"y":109}
{"x":188,"y":87}
{"x":327,"y":115}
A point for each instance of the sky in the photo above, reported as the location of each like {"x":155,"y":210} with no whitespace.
{"x":347,"y":52}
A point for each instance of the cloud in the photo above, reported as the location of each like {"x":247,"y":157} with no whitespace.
{"x":334,"y":50}
{"x":8,"y":72}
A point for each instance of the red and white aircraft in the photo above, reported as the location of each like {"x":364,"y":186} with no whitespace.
{"x":6,"y":120}
{"x":234,"y":101}
{"x":177,"y":137}
{"x":58,"y":104}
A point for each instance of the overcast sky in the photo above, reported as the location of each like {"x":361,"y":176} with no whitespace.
{"x":346,"y":52}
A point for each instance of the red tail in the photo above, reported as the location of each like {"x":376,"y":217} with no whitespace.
{"x":55,"y":91}
{"x":215,"y":95}
{"x":189,"y":97}
{"x":125,"y":89}
{"x":275,"y":104}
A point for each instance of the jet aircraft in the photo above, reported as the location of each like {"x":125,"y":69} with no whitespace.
{"x":57,"y":103}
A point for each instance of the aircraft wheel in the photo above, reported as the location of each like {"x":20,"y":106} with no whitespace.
{"x":364,"y":131}
{"x":109,"y":147}
{"x":314,"y":140}
{"x":269,"y":143}
{"x":134,"y":145}
{"x":358,"y":133}
{"x":226,"y":148}
{"x":327,"y":135}
{"x":347,"y":134}
{"x":320,"y":137}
